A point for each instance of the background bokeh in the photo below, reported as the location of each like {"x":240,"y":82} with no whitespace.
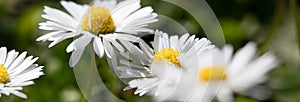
{"x":270,"y":23}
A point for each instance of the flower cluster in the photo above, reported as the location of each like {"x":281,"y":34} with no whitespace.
{"x":16,"y":71}
{"x":192,"y":69}
{"x":105,"y":24}
{"x":170,"y":68}
{"x":174,"y":68}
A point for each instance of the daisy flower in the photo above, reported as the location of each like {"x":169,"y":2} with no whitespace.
{"x":158,"y":70}
{"x":16,"y":71}
{"x":219,"y":70}
{"x":105,"y":24}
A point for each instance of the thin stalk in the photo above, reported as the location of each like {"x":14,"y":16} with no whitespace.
{"x":293,"y":4}
{"x":91,"y":77}
{"x":280,"y":7}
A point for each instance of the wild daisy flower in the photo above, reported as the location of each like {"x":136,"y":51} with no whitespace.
{"x":158,"y":70}
{"x":16,"y":71}
{"x":105,"y":23}
{"x":219,"y":70}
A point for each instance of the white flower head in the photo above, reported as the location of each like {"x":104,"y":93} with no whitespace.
{"x":105,"y":23}
{"x":218,"y":73}
{"x":158,"y":70}
{"x":16,"y":71}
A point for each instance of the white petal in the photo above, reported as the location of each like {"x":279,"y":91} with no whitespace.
{"x":174,"y":41}
{"x":188,"y":44}
{"x":254,"y":73}
{"x":31,"y":73}
{"x":22,"y":84}
{"x":157,"y":44}
{"x":123,"y":9}
{"x":136,"y":30}
{"x":144,"y":83}
{"x":107,"y":48}
{"x":59,"y":17}
{"x":58,"y":38}
{"x":165,"y":41}
{"x":109,"y":4}
{"x":182,"y":39}
{"x":225,"y":94}
{"x":127,"y":37}
{"x":137,"y":53}
{"x":98,"y":47}
{"x":241,"y":58}
{"x":26,"y":77}
{"x":126,"y":72}
{"x":75,"y":57}
{"x":49,"y":25}
{"x":228,"y":50}
{"x":111,"y":39}
{"x":141,"y":13}
{"x":48,"y":35}
{"x":18,"y":60}
{"x":26,"y":63}
{"x":76,"y":10}
{"x":3,"y":52}
{"x":137,"y":20}
{"x":146,"y":48}
{"x":10,"y":57}
{"x":79,"y":43}
{"x":19,"y":94}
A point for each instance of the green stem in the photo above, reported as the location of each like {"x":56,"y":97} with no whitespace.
{"x":91,"y":77}
{"x":83,"y":100}
{"x":293,"y":4}
{"x":280,"y":7}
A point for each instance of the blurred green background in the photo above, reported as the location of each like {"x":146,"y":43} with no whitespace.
{"x":270,"y":23}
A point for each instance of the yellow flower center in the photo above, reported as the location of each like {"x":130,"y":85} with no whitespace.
{"x":3,"y":74}
{"x":212,"y":74}
{"x":167,"y":54}
{"x":98,"y":20}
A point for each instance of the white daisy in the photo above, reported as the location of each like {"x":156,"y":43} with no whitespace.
{"x":16,"y":71}
{"x":158,"y":70}
{"x":105,"y":23}
{"x":219,"y":70}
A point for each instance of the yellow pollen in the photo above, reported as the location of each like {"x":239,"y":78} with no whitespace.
{"x":212,"y":74}
{"x":169,"y":55}
{"x":3,"y":74}
{"x":98,"y":20}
